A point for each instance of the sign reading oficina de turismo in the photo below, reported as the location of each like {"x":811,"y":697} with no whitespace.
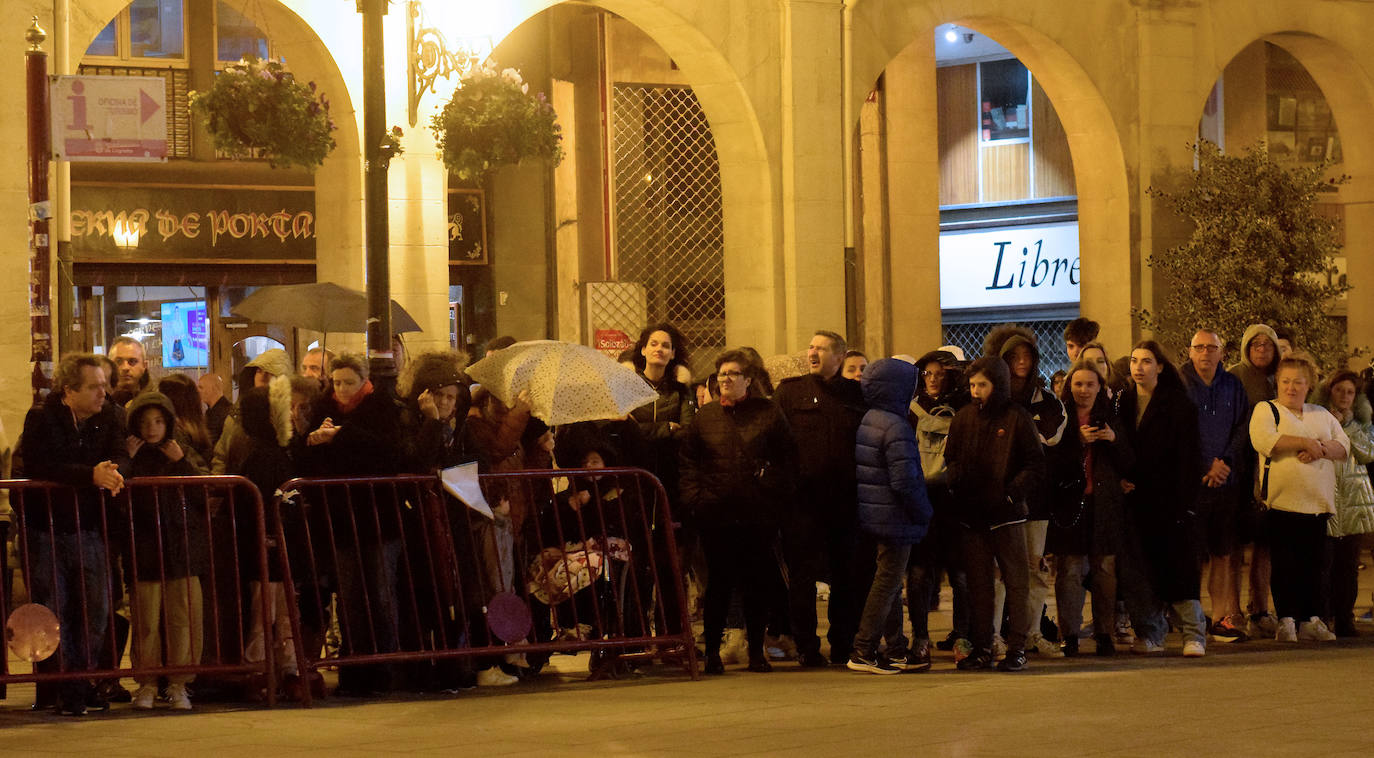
{"x":109,"y":118}
{"x":1009,"y":266}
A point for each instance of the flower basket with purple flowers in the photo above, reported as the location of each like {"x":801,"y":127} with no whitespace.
{"x":257,"y":105}
{"x":492,"y":121}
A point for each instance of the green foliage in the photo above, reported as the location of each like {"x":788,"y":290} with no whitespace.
{"x":493,"y":121}
{"x":257,"y":105}
{"x":1260,"y":252}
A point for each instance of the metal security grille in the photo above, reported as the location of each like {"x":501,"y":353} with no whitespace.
{"x":669,"y":229}
{"x":1049,"y":335}
{"x":178,"y":84}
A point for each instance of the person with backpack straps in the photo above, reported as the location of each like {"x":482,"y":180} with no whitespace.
{"x":940,"y":393}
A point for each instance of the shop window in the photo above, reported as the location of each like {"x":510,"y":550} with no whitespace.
{"x":146,"y":30}
{"x":236,"y":36}
{"x":1004,"y":96}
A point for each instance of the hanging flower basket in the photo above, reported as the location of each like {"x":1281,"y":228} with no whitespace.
{"x":493,"y":121}
{"x":258,"y":107}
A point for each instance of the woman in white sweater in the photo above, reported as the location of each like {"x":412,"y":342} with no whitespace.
{"x":1299,"y":441}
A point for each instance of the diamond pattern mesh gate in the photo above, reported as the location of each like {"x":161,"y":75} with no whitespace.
{"x":1049,"y":336}
{"x":669,"y":228}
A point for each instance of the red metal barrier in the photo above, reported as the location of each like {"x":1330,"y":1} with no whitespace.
{"x":173,"y":546}
{"x":420,"y":577}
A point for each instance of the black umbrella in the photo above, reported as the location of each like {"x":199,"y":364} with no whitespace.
{"x":320,"y":307}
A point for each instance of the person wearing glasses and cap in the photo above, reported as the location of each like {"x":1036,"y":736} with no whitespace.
{"x":737,"y":465}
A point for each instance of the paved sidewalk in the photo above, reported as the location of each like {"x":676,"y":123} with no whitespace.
{"x":1271,"y":699}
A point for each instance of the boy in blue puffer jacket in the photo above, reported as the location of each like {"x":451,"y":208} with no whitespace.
{"x":893,"y":507}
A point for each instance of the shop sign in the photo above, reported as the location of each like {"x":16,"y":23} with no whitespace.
{"x":1009,"y":266}
{"x":612,"y":340}
{"x":109,"y":118}
{"x":192,"y":224}
{"x":467,"y":226}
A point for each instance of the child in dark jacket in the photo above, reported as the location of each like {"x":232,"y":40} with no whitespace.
{"x":893,"y":507}
{"x":995,"y":467}
{"x":168,"y":554}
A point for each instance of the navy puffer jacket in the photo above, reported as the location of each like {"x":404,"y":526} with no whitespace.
{"x":893,"y":504}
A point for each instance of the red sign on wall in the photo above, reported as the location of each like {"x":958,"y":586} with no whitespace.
{"x":612,"y":340}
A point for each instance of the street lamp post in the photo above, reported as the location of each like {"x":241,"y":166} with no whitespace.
{"x":382,"y":361}
{"x":40,"y":258}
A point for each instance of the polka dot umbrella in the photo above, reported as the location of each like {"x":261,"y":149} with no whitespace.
{"x":567,"y":382}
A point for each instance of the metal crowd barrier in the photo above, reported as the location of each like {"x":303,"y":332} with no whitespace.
{"x":419,"y":580}
{"x":138,"y":551}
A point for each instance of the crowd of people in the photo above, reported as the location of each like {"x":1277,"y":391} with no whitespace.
{"x":1122,"y":480}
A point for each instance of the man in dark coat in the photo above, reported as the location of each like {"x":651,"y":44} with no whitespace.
{"x":823,"y":410}
{"x":892,"y":506}
{"x":73,"y":438}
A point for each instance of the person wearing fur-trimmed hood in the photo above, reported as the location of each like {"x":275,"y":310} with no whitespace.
{"x":1017,"y":346}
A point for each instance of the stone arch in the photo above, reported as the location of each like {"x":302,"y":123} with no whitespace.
{"x":338,"y":181}
{"x":880,"y":27}
{"x":1321,"y":45}
{"x":753,"y":297}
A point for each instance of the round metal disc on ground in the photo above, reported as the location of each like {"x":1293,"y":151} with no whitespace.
{"x":508,"y":617}
{"x":32,"y":632}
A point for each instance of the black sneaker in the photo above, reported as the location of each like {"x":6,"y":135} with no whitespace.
{"x":978,"y":660}
{"x":759,"y":665}
{"x":918,"y":659}
{"x":1105,"y":646}
{"x":1069,"y":647}
{"x":1225,"y":630}
{"x":812,"y":660}
{"x":873,"y":665}
{"x":947,"y":643}
{"x":714,"y":665}
{"x":1015,"y":661}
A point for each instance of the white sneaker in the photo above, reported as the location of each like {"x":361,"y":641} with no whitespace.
{"x":1142,"y":646}
{"x":145,"y":697}
{"x":494,"y":677}
{"x":1044,"y":648}
{"x":1194,"y":649}
{"x":1286,"y":632}
{"x":733,"y":648}
{"x":999,"y":647}
{"x":780,"y":648}
{"x":178,"y":697}
{"x":1314,"y":630}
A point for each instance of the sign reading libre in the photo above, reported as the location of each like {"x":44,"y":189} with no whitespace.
{"x":1011,"y":266}
{"x":193,"y":224}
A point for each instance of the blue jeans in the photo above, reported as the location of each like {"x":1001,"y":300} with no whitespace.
{"x":70,"y":574}
{"x":887,"y":583}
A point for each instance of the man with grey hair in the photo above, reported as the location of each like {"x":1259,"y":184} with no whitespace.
{"x":73,"y":438}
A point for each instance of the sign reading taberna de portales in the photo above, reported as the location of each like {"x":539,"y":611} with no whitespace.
{"x":109,"y":118}
{"x":1009,"y":266}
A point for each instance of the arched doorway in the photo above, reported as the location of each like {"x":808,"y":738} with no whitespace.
{"x":749,"y":206}
{"x":912,"y":208}
{"x":209,"y":257}
{"x":1307,"y":98}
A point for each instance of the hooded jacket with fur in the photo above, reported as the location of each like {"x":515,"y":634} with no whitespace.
{"x":176,"y":516}
{"x":1045,"y":409}
{"x":1259,"y":382}
{"x":893,"y":505}
{"x":996,"y":464}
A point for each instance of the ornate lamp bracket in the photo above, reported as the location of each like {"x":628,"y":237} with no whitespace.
{"x":430,"y":58}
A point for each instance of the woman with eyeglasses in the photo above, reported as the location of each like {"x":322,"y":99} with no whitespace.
{"x":737,"y":463}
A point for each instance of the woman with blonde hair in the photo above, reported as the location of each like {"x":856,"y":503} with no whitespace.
{"x":1299,"y":444}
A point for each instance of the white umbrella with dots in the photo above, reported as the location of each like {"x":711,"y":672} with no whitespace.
{"x":567,"y":382}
